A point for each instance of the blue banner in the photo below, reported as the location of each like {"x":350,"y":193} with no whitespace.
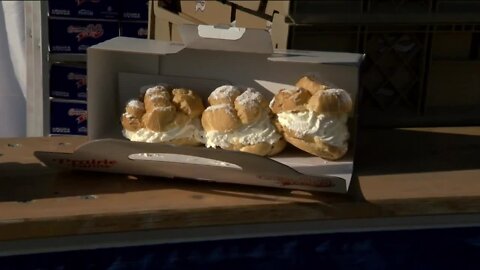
{"x":402,"y":250}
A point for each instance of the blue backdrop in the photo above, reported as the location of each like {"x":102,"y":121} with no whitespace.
{"x":405,"y":250}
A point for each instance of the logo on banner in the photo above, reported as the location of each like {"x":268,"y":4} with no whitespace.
{"x":86,"y":163}
{"x":142,"y":32}
{"x":81,"y":79}
{"x":81,"y":115}
{"x":91,"y":30}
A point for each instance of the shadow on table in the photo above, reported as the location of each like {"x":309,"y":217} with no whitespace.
{"x":26,"y":182}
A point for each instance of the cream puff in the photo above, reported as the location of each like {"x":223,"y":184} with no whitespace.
{"x":314,"y":119}
{"x":240,"y":121}
{"x":164,"y":116}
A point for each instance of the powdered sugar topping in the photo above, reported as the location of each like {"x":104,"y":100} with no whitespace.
{"x":226,"y":107}
{"x":134,"y":103}
{"x":158,"y":90}
{"x":333,"y":91}
{"x":160,"y":97}
{"x":249,"y":98}
{"x":225,"y":91}
{"x":164,"y":108}
{"x":341,"y":94}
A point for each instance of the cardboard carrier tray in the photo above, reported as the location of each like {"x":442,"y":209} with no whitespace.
{"x":209,"y":57}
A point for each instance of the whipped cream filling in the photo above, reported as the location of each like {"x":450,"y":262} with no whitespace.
{"x":192,"y":130}
{"x":260,"y":131}
{"x":327,"y":128}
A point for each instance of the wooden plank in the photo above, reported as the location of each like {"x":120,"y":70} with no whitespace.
{"x":401,"y":173}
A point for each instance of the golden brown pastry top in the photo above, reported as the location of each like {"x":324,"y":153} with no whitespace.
{"x":225,"y":94}
{"x":330,"y":101}
{"x":135,"y":108}
{"x":188,"y":102}
{"x":290,"y":100}
{"x":153,"y":90}
{"x":220,"y":117}
{"x":162,"y":109}
{"x":250,"y":105}
{"x":311,"y":83}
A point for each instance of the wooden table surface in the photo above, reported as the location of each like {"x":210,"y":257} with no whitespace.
{"x":399,"y":173}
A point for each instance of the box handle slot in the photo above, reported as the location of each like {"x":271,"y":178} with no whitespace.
{"x":185,"y":159}
{"x":221,"y":32}
{"x":226,"y":38}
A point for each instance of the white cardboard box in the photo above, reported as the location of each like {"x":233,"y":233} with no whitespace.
{"x":119,"y":67}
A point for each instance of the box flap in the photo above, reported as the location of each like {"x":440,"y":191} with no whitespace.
{"x":136,"y":45}
{"x":317,"y":57}
{"x":218,"y":38}
{"x":135,"y":158}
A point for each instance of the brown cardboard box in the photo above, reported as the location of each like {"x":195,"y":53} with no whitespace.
{"x":216,"y":13}
{"x":118,"y":68}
